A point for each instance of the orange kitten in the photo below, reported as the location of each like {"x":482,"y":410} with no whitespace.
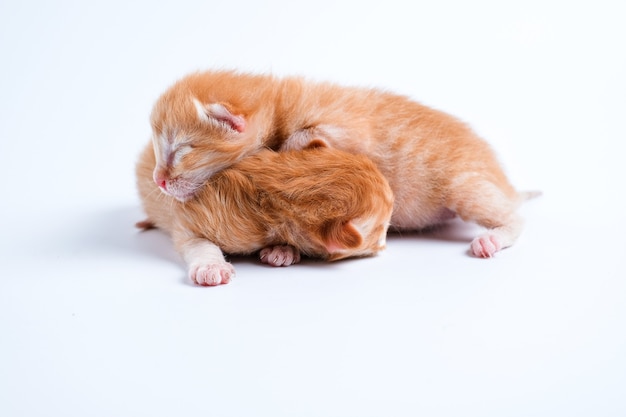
{"x":437,"y":166}
{"x":319,"y":202}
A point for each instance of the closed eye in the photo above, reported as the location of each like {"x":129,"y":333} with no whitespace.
{"x":178,"y":154}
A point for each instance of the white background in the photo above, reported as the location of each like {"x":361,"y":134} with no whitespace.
{"x":97,"y":319}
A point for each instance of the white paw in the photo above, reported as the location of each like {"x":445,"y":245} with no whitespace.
{"x":212,"y":274}
{"x":279,"y":255}
{"x":485,"y":246}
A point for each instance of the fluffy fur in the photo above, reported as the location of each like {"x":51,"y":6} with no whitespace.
{"x":437,"y":166}
{"x":319,"y":202}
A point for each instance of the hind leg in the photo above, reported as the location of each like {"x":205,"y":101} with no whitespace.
{"x":491,"y":206}
{"x":497,"y":238}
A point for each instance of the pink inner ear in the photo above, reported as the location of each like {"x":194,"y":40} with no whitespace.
{"x":333,"y":247}
{"x":221,"y":113}
{"x":342,"y":236}
{"x":238,"y":123}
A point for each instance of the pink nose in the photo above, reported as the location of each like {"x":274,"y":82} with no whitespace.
{"x":161,"y":183}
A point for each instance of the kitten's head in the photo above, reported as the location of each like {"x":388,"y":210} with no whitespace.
{"x":355,"y":180}
{"x":194,"y":140}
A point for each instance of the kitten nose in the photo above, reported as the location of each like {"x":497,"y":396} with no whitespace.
{"x":160,"y":177}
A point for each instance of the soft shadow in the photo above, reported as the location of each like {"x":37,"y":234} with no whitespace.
{"x":253,"y":259}
{"x":114,"y":231}
{"x":455,"y":230}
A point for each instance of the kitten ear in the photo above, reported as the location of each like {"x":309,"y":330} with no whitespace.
{"x":317,"y":143}
{"x":220,"y":113}
{"x":342,"y":236}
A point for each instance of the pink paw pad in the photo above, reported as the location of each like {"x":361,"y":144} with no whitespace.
{"x":485,"y":246}
{"x":212,"y":274}
{"x":283,"y":255}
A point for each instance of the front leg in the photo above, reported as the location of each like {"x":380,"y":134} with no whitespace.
{"x":205,"y":261}
{"x":281,"y":255}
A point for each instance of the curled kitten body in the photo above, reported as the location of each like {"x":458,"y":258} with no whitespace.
{"x":317,"y":202}
{"x":435,"y":164}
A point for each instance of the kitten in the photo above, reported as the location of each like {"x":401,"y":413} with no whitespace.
{"x":437,"y":166}
{"x":319,"y":202}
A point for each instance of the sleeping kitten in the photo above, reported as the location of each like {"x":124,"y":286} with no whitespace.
{"x":319,"y":202}
{"x":436,"y":166}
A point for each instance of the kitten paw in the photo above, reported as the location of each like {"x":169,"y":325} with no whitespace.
{"x":485,"y":246}
{"x":283,"y":255}
{"x":212,"y":274}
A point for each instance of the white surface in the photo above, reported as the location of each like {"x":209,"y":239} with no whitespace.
{"x":97,"y":319}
